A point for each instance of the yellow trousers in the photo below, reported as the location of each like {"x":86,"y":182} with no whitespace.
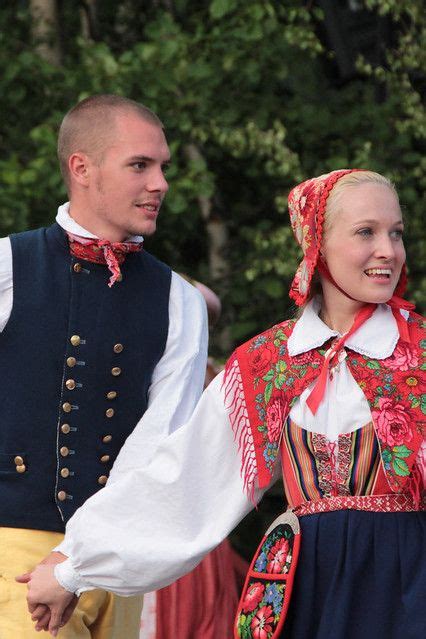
{"x":99,"y":614}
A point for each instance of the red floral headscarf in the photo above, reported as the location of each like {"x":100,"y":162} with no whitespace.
{"x":306,"y":204}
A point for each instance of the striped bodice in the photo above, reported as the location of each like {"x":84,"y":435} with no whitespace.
{"x":314,"y":467}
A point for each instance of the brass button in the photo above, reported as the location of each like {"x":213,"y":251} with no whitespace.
{"x":106,"y":439}
{"x":67,"y":407}
{"x":77,"y":267}
{"x":112,"y":395}
{"x":70,"y":384}
{"x":118,"y":348}
{"x":116,"y":371}
{"x":75,"y":340}
{"x":65,"y":428}
{"x":18,"y":460}
{"x":65,"y":472}
{"x":21,"y":468}
{"x":102,"y":480}
{"x":71,"y":361}
{"x":105,"y":459}
{"x":62,"y":495}
{"x":64,"y":451}
{"x":109,"y":412}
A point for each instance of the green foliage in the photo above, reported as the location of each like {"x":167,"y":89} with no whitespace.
{"x":247,"y":83}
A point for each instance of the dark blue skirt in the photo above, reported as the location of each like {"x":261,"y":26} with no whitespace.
{"x":360,"y":575}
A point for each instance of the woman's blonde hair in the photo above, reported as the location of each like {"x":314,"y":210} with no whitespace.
{"x":351,"y":180}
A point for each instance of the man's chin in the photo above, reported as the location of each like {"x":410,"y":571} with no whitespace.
{"x":145,"y":230}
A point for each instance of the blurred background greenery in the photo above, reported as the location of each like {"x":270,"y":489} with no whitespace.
{"x":256,"y":95}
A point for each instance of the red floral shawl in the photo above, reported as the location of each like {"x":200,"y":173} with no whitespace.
{"x":262,"y":382}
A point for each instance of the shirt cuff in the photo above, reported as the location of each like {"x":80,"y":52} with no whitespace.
{"x":69,"y":579}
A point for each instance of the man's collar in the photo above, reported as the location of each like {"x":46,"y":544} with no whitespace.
{"x":64,"y":219}
{"x":376,"y":338}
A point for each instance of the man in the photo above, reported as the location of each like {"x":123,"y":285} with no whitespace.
{"x":101,"y":342}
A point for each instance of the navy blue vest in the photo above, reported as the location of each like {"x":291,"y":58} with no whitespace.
{"x":77,"y":359}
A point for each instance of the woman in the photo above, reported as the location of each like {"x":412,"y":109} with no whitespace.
{"x":336,"y":395}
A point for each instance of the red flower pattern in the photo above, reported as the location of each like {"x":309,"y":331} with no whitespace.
{"x":403,"y":358}
{"x":277,"y":556}
{"x":392,"y":422}
{"x":260,"y":624}
{"x":260,"y":360}
{"x":253,"y":597}
{"x":276,"y":412}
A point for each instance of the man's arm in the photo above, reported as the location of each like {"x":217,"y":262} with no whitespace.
{"x":177,"y":379}
{"x":152,"y":524}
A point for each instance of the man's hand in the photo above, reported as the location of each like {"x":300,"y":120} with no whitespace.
{"x":50,"y":605}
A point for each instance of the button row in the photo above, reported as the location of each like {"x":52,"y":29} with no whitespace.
{"x":76,"y":341}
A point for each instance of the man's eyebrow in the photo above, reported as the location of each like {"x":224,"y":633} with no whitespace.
{"x":145,"y":158}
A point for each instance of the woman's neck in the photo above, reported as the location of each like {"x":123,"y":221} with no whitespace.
{"x":337,"y":310}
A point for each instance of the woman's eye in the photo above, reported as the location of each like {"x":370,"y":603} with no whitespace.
{"x":397,"y":234}
{"x":365,"y":232}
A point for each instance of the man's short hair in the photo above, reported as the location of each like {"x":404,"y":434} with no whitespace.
{"x":88,"y":127}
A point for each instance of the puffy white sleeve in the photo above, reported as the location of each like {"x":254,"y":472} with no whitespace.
{"x":178,"y":378}
{"x":153,"y":523}
{"x":6,"y":281}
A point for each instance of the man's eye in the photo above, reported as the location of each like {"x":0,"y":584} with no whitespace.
{"x":139,"y":165}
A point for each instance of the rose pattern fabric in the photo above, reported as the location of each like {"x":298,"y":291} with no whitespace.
{"x":403,"y":358}
{"x":396,"y":397}
{"x":306,"y":206}
{"x":260,"y":360}
{"x":275,"y":415}
{"x":393,"y":422}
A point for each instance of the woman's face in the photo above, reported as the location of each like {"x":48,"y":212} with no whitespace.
{"x":363,"y":245}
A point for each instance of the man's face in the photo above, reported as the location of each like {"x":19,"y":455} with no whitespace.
{"x":126,"y":189}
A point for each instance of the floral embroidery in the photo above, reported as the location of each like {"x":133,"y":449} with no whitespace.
{"x":262,"y":603}
{"x":254,"y":596}
{"x":260,"y":625}
{"x":278,"y":556}
{"x":262,"y":621}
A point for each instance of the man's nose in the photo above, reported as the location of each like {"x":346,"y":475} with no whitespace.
{"x":157,"y":182}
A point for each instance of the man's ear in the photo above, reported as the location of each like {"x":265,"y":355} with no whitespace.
{"x":79,"y":168}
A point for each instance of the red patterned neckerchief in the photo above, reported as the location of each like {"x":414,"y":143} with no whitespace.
{"x":98,"y":251}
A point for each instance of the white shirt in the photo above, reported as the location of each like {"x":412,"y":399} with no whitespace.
{"x":153,"y":523}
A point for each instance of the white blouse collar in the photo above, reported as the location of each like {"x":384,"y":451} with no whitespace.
{"x":376,"y":338}
{"x":64,"y":219}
